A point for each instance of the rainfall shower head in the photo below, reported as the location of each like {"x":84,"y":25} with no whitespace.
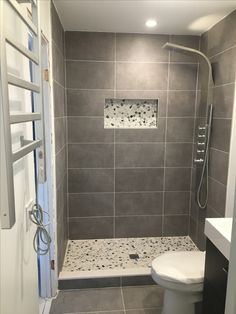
{"x":190,"y":51}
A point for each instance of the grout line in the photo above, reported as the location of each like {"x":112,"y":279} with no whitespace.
{"x":129,"y":167}
{"x":223,"y":51}
{"x":122,"y":297}
{"x":125,"y":192}
{"x":137,"y":128}
{"x":124,"y":216}
{"x":130,"y":90}
{"x":114,"y":152}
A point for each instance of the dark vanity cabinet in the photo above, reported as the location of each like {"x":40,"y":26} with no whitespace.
{"x":215,"y":282}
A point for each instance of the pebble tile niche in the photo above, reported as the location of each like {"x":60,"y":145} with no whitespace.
{"x":130,"y":113}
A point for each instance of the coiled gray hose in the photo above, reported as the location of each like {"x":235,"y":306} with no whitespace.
{"x":41,"y":234}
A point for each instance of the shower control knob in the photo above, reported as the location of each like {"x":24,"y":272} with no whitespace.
{"x":200,"y":151}
{"x":201,"y":135}
{"x":201,"y":128}
{"x":198,"y":160}
{"x":200,"y":143}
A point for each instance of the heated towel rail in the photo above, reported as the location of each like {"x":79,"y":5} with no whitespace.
{"x":8,"y":157}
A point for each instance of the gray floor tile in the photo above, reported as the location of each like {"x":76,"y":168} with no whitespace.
{"x":142,"y":297}
{"x":90,"y":300}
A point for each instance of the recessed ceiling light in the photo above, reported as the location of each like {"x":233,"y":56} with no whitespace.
{"x":151,"y":23}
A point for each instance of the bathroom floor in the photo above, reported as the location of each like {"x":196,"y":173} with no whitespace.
{"x":88,"y":255}
{"x":125,"y":300}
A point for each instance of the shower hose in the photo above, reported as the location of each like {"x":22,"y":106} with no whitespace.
{"x":205,"y":167}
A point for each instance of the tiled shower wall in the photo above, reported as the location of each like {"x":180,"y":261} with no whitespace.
{"x":219,"y":43}
{"x":123,"y":182}
{"x":58,"y":73}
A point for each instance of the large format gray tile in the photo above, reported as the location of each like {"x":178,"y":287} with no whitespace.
{"x":90,"y":75}
{"x":91,"y":155}
{"x":58,"y":65}
{"x":177,"y":179}
{"x":143,"y":297}
{"x":87,"y":130}
{"x":176,"y":225}
{"x":220,"y":134}
{"x":217,"y":196}
{"x":91,"y":204}
{"x":224,"y":67}
{"x":61,"y":165}
{"x":139,"y":155}
{"x":222,"y":35}
{"x":223,"y":100}
{"x":148,"y":179}
{"x":57,"y":29}
{"x":87,"y":102}
{"x":218,"y":168}
{"x":141,"y":47}
{"x":89,"y":300}
{"x":176,"y":203}
{"x":130,"y":226}
{"x":145,"y":311}
{"x":59,"y":100}
{"x":181,"y":103}
{"x":90,"y":180}
{"x":187,"y":41}
{"x":178,"y":154}
{"x":161,"y":96}
{"x":179,"y":130}
{"x":182,"y":76}
{"x":138,"y":203}
{"x":141,"y":76}
{"x":91,"y":228}
{"x":90,"y":46}
{"x":142,"y":135}
{"x":60,"y":133}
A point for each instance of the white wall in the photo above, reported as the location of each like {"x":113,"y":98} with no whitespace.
{"x":18,"y":261}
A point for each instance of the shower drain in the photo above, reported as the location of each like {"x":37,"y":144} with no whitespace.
{"x":133,"y":256}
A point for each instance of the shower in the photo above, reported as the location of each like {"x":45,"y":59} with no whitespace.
{"x":204,"y":131}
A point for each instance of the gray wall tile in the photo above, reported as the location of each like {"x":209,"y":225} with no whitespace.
{"x":87,"y":102}
{"x":139,"y":155}
{"x":187,"y":41}
{"x":183,"y":76}
{"x":219,"y":165}
{"x":141,"y":76}
{"x":131,"y":226}
{"x":148,"y":179}
{"x":91,"y":155}
{"x":90,"y":46}
{"x":176,"y":203}
{"x":149,"y":203}
{"x":87,"y":130}
{"x":220,"y":134}
{"x":181,"y":104}
{"x":217,"y":196}
{"x":58,"y":65}
{"x":179,"y":154}
{"x":179,"y":130}
{"x":60,"y":133}
{"x":176,"y":225}
{"x":90,"y":180}
{"x":90,"y":75}
{"x":223,"y":100}
{"x":59,"y":100}
{"x":91,"y":204}
{"x":141,"y":47}
{"x":57,"y":29}
{"x":177,"y":179}
{"x":91,"y":228}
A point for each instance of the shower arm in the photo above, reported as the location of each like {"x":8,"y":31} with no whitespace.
{"x":191,"y":51}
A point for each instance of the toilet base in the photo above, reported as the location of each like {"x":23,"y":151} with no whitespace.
{"x":177,"y":302}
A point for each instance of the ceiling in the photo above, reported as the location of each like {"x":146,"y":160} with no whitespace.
{"x":129,"y":16}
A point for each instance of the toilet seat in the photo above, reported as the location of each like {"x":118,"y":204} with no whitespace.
{"x":180,"y":267}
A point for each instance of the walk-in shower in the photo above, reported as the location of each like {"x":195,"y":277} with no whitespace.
{"x":204,"y":131}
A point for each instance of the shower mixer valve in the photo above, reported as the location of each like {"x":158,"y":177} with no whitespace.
{"x":201,"y":144}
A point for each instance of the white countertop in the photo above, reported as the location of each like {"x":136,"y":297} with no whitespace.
{"x":218,"y":231}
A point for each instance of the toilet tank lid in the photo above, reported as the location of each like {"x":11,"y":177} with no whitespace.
{"x":184,"y":267}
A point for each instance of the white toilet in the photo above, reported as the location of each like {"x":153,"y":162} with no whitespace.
{"x":181,"y":274}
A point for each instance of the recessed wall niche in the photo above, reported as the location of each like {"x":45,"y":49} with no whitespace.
{"x":130,"y":113}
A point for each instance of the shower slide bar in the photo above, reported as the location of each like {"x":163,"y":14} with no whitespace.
{"x":8,"y":157}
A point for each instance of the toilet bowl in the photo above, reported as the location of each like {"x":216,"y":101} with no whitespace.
{"x":181,"y":274}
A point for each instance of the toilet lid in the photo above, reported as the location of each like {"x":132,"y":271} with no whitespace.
{"x":184,"y":267}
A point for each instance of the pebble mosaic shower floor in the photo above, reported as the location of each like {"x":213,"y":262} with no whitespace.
{"x":90,"y":255}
